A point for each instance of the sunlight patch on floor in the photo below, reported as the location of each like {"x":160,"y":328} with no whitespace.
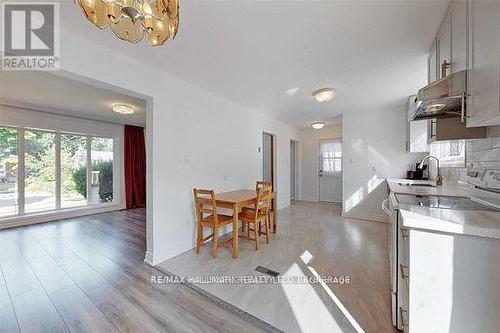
{"x":337,"y":302}
{"x":309,"y":310}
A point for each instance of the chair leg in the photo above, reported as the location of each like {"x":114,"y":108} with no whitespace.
{"x":215,"y":239}
{"x":267,"y":230}
{"x":256,"y":228}
{"x":199,"y":238}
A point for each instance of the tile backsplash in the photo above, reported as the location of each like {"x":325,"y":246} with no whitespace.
{"x":483,"y":153}
{"x":480,"y":154}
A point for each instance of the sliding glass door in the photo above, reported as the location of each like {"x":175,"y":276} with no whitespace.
{"x":73,"y":170}
{"x":102,"y":170}
{"x":9,"y":162}
{"x":42,"y":171}
{"x":39,"y":171}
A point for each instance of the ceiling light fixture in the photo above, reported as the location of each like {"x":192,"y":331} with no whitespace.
{"x":123,"y":108}
{"x":132,"y":20}
{"x":318,"y":125}
{"x":323,"y":94}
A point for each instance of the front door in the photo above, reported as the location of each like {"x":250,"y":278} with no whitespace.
{"x":330,"y":170}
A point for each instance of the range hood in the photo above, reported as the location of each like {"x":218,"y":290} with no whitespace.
{"x":440,"y":99}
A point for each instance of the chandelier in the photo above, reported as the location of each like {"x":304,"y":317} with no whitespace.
{"x":132,"y":20}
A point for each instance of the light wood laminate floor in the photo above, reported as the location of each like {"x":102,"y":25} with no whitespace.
{"x":312,"y":239}
{"x":87,"y":275}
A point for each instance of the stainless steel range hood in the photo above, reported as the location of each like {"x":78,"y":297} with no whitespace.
{"x":443,"y":98}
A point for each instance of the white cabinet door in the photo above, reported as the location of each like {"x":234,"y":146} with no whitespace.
{"x":418,"y":136}
{"x":432,"y":64}
{"x":444,"y":47}
{"x":458,"y":18}
{"x":484,"y":57}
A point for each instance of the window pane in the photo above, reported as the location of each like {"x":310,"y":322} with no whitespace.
{"x":102,"y":170}
{"x":73,"y":170}
{"x":338,"y":165}
{"x":8,"y":171}
{"x":449,"y":153}
{"x":40,"y":175}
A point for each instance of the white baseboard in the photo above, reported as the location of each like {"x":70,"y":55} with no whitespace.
{"x":366,"y":216}
{"x":174,"y":251}
{"x":148,"y":258}
{"x":19,"y":221}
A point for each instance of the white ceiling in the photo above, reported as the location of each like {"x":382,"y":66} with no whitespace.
{"x":52,"y":93}
{"x":372,"y":52}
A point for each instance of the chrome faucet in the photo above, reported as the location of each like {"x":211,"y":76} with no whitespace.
{"x":439,"y":178}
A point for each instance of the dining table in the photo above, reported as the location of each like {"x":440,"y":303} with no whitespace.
{"x":238,"y":199}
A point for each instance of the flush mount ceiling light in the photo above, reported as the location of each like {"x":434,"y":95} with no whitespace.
{"x":123,"y":108}
{"x":318,"y":125}
{"x":132,"y":20}
{"x":323,"y":94}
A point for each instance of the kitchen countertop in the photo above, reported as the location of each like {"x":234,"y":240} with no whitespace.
{"x":472,"y":223}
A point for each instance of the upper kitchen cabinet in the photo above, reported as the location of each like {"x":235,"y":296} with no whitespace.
{"x":432,"y":63}
{"x":483,"y":107}
{"x":458,"y":18}
{"x":448,"y":53}
{"x":443,"y":43}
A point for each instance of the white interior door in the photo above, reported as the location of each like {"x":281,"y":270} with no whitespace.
{"x":267,"y":157}
{"x":330,"y":170}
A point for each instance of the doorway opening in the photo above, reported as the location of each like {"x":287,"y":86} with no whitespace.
{"x":268,"y":158}
{"x":330,"y":170}
{"x":294,"y":145}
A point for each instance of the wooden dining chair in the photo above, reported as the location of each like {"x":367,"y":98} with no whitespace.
{"x":258,"y":215}
{"x":261,"y":184}
{"x":207,"y":216}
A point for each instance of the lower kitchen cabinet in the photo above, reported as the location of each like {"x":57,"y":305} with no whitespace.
{"x":448,"y":283}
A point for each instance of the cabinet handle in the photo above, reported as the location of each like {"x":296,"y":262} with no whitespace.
{"x":403,"y":274}
{"x":433,"y":126}
{"x":386,"y":208}
{"x":444,"y":68}
{"x":402,"y":312}
{"x":462,"y":113}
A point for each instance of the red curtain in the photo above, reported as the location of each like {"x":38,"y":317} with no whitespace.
{"x":135,"y":167}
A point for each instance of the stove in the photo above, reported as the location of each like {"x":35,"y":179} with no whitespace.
{"x":443,"y":202}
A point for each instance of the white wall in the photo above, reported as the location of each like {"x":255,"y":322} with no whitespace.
{"x":374,"y":149}
{"x":308,"y":144}
{"x":195,"y":139}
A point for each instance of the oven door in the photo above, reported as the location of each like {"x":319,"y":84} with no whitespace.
{"x":393,"y":254}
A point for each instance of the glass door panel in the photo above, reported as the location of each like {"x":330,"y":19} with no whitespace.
{"x":73,"y":170}
{"x":9,"y":144}
{"x":40,"y":174}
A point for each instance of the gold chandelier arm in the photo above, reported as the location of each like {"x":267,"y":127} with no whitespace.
{"x":96,"y":12}
{"x":132,"y":20}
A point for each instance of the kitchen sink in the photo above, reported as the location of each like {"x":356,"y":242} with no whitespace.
{"x":443,"y":202}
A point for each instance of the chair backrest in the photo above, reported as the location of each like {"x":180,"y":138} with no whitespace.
{"x":263,"y":201}
{"x":205,"y":203}
{"x":262,"y":183}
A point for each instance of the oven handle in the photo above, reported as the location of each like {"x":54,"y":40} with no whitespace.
{"x":385,"y":207}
